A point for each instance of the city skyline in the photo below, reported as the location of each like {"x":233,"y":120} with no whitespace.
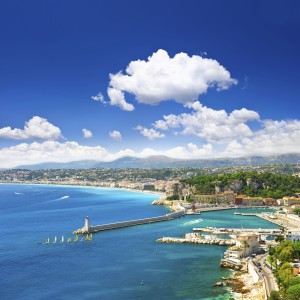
{"x":108,"y":79}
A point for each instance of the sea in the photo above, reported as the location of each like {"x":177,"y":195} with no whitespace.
{"x":124,"y":263}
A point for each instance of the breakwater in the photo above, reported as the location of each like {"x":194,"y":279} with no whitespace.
{"x":97,"y":228}
{"x":214,"y":241}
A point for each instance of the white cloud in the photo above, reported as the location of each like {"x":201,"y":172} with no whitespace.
{"x":209,"y":124}
{"x":116,"y":135}
{"x":99,"y":97}
{"x":275,"y":137}
{"x":117,"y":98}
{"x":190,"y":151}
{"x":182,"y":78}
{"x":36,"y":127}
{"x":53,"y":151}
{"x":87,"y":133}
{"x":151,"y":134}
{"x":48,"y":151}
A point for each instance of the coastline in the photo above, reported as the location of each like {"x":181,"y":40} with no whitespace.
{"x":161,"y":195}
{"x":245,"y":278}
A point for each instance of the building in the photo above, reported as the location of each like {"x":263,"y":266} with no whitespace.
{"x":246,"y":244}
{"x":238,"y":200}
{"x":280,"y":202}
{"x":270,"y":201}
{"x":253,"y":201}
{"x":226,"y":197}
{"x":288,"y":201}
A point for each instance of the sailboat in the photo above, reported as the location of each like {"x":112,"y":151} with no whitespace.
{"x":76,"y":238}
{"x":48,"y":241}
{"x":62,"y":239}
{"x":55,"y":240}
{"x":91,"y":236}
{"x":87,"y":236}
{"x":69,"y":240}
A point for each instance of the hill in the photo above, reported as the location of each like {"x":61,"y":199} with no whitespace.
{"x":168,"y":162}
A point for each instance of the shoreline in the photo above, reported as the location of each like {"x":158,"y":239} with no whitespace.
{"x":245,"y":278}
{"x":161,"y":195}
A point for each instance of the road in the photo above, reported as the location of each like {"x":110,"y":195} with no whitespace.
{"x":270,"y":280}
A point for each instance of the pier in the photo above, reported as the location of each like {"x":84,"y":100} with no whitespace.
{"x":274,"y":231}
{"x":93,"y":229}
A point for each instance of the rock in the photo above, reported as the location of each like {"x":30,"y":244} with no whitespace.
{"x":219,"y":283}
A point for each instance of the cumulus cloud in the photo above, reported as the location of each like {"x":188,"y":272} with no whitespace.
{"x":117,"y":98}
{"x":48,"y":151}
{"x":212,"y":125}
{"x":182,"y":78}
{"x":36,"y":127}
{"x":87,"y":133}
{"x":116,"y":135}
{"x":275,"y":137}
{"x":99,"y":97}
{"x":151,"y":134}
{"x":53,"y":151}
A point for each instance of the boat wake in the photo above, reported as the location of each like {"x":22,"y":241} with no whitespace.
{"x":61,"y":198}
{"x":192,"y":222}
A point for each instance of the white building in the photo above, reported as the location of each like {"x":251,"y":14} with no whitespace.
{"x":246,"y":244}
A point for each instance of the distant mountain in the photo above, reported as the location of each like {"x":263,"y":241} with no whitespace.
{"x":167,"y":162}
{"x":82,"y":164}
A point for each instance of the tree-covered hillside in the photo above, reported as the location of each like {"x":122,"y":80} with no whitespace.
{"x":251,"y":184}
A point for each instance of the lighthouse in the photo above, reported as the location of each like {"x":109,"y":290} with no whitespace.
{"x":86,"y":225}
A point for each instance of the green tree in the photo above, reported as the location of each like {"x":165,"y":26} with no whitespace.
{"x":285,"y":274}
{"x":279,"y":238}
{"x":294,"y":281}
{"x":293,"y":292}
{"x":274,"y":295}
{"x":286,"y":254}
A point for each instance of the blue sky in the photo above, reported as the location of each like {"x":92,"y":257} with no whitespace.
{"x":205,"y":79}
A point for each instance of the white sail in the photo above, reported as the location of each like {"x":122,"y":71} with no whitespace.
{"x":55,"y":240}
{"x":62,"y":239}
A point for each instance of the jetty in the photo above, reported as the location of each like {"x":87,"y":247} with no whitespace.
{"x":213,"y":230}
{"x":93,"y":229}
{"x":200,"y":241}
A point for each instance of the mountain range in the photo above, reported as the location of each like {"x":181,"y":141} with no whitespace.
{"x":168,"y":162}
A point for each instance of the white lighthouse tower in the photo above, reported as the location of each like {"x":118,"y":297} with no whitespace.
{"x":86,"y":225}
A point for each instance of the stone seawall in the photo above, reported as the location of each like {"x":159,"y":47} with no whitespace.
{"x":97,"y":228}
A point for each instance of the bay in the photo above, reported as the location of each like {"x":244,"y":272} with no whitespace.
{"x":125,"y":263}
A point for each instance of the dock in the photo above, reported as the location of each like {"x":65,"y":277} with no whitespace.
{"x":274,"y":231}
{"x":93,"y":229}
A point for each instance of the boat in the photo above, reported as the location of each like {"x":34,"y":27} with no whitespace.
{"x":91,"y":236}
{"x":76,"y":238}
{"x":48,"y":241}
{"x":55,"y":240}
{"x":69,"y":240}
{"x":62,"y":239}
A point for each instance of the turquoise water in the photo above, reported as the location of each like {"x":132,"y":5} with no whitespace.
{"x":115,"y":263}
